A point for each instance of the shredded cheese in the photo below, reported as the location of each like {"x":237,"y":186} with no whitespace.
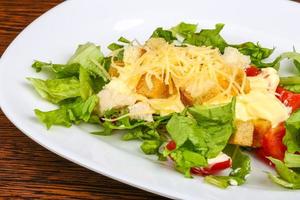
{"x":198,"y":70}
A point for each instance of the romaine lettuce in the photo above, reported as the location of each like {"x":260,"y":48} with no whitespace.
{"x":292,"y":136}
{"x":287,"y":177}
{"x":161,"y":33}
{"x":292,"y":160}
{"x":68,"y":113}
{"x":207,"y":37}
{"x":184,"y":29}
{"x":240,"y":169}
{"x":89,"y":56}
{"x":56,"y":90}
{"x":216,"y":124}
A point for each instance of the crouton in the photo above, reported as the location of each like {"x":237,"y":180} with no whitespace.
{"x":239,"y":77}
{"x":206,"y":94}
{"x":261,"y":127}
{"x":112,"y":71}
{"x":243,"y":135}
{"x":159,"y":90}
{"x":186,"y":98}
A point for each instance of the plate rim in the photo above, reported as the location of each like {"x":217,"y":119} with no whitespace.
{"x":69,"y":154}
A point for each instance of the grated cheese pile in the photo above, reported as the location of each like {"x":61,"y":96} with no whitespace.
{"x":198,"y":70}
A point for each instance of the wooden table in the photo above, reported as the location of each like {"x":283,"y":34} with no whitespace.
{"x":29,"y":171}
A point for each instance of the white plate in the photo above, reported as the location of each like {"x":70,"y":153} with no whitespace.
{"x":55,"y":35}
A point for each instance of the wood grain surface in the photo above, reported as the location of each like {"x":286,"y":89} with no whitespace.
{"x":29,"y":171}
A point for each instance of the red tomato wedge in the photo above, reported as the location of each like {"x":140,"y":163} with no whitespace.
{"x":171,"y":145}
{"x":252,"y":71}
{"x":272,"y":144}
{"x":212,"y":169}
{"x":288,"y":98}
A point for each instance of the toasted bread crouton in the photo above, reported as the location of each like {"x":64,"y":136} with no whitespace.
{"x":244,"y":133}
{"x":204,"y":95}
{"x":261,"y":127}
{"x":186,"y":98}
{"x":112,"y":71}
{"x":159,"y":90}
{"x":239,"y":76}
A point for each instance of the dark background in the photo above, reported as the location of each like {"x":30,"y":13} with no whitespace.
{"x":29,"y":171}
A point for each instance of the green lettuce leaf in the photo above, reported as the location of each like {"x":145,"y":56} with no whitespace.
{"x":68,"y":113}
{"x":240,"y":162}
{"x":81,"y":110}
{"x":255,"y":51}
{"x":287,"y":177}
{"x":180,"y":128}
{"x":108,"y":128}
{"x":240,"y":169}
{"x":183,"y":29}
{"x":54,"y":117}
{"x":208,"y":37}
{"x":292,"y":160}
{"x":165,"y":34}
{"x":139,"y":133}
{"x":290,"y":80}
{"x":86,"y":89}
{"x":219,"y":181}
{"x":150,"y":146}
{"x":125,"y":123}
{"x":115,"y":46}
{"x":59,"y":70}
{"x":56,"y":90}
{"x":216,"y":125}
{"x":89,"y":56}
{"x":213,"y":115}
{"x":186,"y":159}
{"x":208,"y":132}
{"x":39,"y":65}
{"x":201,"y":137}
{"x":97,"y":84}
{"x":294,"y":56}
{"x":284,"y":172}
{"x":106,"y":62}
{"x":293,"y":88}
{"x":291,"y":83}
{"x":292,"y":136}
{"x":282,"y":182}
{"x":124,"y":40}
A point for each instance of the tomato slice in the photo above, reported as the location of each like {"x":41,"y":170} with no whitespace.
{"x":214,"y":168}
{"x":261,"y":154}
{"x":272,"y":143}
{"x":252,"y":71}
{"x":171,"y":145}
{"x":288,"y":98}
